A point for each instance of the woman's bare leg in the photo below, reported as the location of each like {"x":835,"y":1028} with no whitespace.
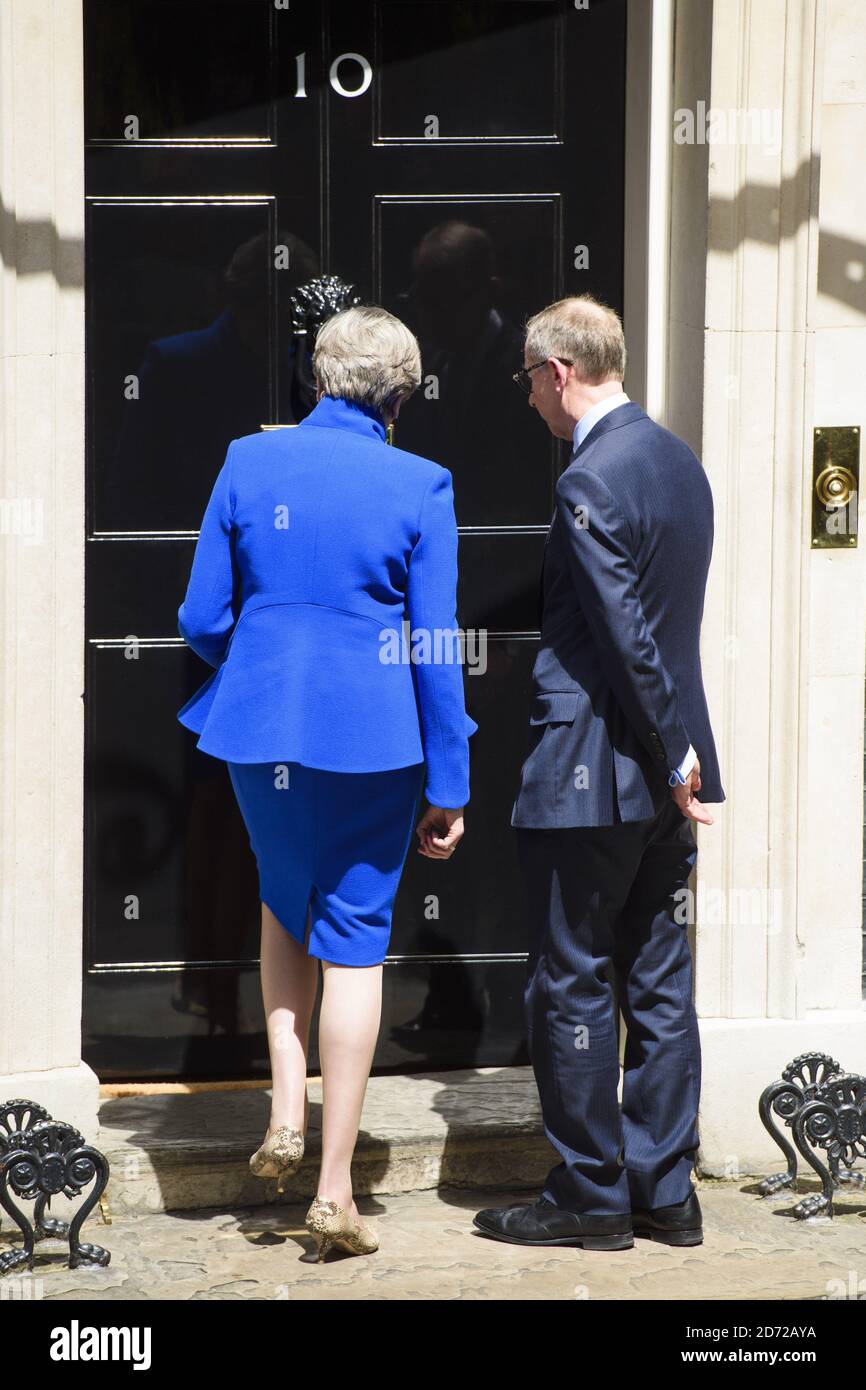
{"x":290,"y":979}
{"x":349,"y":1021}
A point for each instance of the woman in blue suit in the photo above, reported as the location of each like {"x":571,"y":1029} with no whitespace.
{"x":316,"y":545}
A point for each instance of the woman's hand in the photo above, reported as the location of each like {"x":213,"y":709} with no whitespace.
{"x":440,"y":831}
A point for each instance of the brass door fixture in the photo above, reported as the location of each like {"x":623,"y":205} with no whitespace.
{"x":835,"y":486}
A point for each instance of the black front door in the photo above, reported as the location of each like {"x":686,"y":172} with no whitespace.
{"x":461,"y":163}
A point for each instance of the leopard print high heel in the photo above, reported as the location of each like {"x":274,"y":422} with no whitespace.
{"x":281,"y":1153}
{"x":330,"y":1225}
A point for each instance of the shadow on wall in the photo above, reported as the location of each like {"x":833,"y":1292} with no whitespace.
{"x":769,"y":215}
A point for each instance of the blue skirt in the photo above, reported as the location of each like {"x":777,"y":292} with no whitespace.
{"x":331,"y":845}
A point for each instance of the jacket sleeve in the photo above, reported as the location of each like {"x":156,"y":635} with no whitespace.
{"x":431,"y":601}
{"x":604,"y":571}
{"x":206,"y":616}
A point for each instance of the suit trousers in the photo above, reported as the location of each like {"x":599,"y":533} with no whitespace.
{"x":602,"y":904}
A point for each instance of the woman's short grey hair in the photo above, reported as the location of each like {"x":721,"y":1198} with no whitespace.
{"x":585,"y":331}
{"x":366,"y":355}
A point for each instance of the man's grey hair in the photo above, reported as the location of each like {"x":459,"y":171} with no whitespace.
{"x":368,"y":356}
{"x":585,"y":331}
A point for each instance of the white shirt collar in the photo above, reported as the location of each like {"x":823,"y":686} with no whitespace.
{"x":594,"y":414}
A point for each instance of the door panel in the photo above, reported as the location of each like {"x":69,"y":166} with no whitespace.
{"x":159,"y":329}
{"x":446,"y":159}
{"x":195,"y":69}
{"x":487,"y":72}
{"x":434,"y":258}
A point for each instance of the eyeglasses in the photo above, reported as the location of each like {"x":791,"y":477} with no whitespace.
{"x":524,"y":380}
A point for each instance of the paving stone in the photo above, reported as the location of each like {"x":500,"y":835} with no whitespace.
{"x":429,"y":1251}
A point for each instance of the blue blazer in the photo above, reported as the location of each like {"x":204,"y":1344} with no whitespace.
{"x":618,"y":694}
{"x":316,"y":545}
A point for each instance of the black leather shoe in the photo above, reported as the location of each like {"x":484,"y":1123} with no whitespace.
{"x":680,"y":1224}
{"x":542,"y":1223}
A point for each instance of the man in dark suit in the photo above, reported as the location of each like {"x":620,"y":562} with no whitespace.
{"x":620,"y":743}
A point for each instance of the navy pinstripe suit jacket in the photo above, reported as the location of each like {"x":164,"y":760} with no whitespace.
{"x":617,"y":688}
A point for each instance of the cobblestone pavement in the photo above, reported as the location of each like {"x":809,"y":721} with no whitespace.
{"x":752,"y":1249}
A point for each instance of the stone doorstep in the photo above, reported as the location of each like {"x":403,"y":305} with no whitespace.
{"x":471,"y":1128}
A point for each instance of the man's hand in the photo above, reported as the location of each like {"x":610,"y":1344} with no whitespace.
{"x":440,"y":831}
{"x":684,"y":796}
